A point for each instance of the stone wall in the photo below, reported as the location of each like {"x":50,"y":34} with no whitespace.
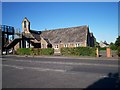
{"x":43,"y":43}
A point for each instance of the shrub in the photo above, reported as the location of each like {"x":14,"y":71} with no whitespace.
{"x":46,"y":51}
{"x":118,"y":51}
{"x":113,"y":47}
{"x":79,"y":51}
{"x":102,"y":48}
{"x":35,"y":51}
{"x":24,"y":51}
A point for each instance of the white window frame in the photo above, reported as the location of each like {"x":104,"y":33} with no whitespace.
{"x":43,"y":45}
{"x":66,"y":45}
{"x":26,"y":44}
{"x":77,"y":44}
{"x":56,"y":46}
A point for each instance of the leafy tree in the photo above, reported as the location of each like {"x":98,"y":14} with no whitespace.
{"x":117,"y":42}
{"x":111,"y":43}
{"x":113,"y":46}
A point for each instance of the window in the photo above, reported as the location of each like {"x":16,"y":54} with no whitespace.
{"x":43,"y":46}
{"x":56,"y":46}
{"x":24,"y":24}
{"x":66,"y":45}
{"x":77,"y":45}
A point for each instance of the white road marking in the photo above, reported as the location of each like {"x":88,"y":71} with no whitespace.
{"x":18,"y":67}
{"x":34,"y":68}
{"x":67,"y":63}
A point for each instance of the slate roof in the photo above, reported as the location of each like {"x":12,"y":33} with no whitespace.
{"x":33,"y":35}
{"x":66,"y":35}
{"x":36,"y":34}
{"x":28,"y":35}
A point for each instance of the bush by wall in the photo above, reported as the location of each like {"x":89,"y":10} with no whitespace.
{"x":79,"y":51}
{"x":113,"y":47}
{"x":102,"y":48}
{"x":118,"y":51}
{"x":48,"y":51}
{"x":35,"y":51}
{"x":24,"y":51}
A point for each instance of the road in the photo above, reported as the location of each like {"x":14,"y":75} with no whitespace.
{"x":43,"y":72}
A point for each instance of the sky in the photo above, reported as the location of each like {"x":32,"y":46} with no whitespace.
{"x":101,"y":17}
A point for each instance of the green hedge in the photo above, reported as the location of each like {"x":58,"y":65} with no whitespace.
{"x":111,"y":47}
{"x":35,"y":51}
{"x":24,"y":51}
{"x":102,"y":48}
{"x":48,"y":51}
{"x":79,"y":51}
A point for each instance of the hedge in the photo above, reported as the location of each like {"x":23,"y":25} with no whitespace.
{"x":35,"y":51}
{"x":24,"y":51}
{"x":79,"y":51}
{"x":102,"y":48}
{"x":112,"y":48}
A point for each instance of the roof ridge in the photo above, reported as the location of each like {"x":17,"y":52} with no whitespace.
{"x":67,"y":28}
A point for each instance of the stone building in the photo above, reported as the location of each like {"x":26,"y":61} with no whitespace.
{"x":79,"y":36}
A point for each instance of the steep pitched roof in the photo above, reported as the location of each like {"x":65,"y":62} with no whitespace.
{"x":36,"y":34}
{"x":66,"y":35}
{"x":25,"y":19}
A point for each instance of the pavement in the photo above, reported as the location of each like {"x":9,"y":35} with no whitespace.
{"x":70,"y":57}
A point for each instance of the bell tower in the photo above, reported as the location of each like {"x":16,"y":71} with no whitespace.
{"x":25,"y":25}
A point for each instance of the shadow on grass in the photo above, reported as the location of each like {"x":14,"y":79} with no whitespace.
{"x":111,"y":81}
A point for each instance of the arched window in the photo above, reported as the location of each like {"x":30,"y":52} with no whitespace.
{"x":24,"y":24}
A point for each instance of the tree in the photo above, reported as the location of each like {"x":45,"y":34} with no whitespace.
{"x":117,"y":42}
{"x":111,"y":43}
{"x":113,"y":46}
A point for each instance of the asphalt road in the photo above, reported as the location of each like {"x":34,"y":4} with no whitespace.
{"x":42,"y":72}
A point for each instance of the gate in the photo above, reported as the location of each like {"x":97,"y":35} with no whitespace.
{"x":102,"y":53}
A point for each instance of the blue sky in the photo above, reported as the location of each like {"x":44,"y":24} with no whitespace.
{"x":102,"y":17}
